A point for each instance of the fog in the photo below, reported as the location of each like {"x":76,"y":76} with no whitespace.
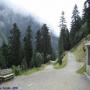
{"x":47,"y":11}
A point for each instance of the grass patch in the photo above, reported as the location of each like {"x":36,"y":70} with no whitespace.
{"x":82,"y":69}
{"x":64,"y":63}
{"x":80,"y":51}
{"x":33,"y":70}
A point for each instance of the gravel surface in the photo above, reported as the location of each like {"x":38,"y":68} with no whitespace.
{"x":52,"y":79}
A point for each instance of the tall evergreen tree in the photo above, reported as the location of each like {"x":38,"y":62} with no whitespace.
{"x":62,"y":21}
{"x":75,"y":26}
{"x":38,"y":41}
{"x":66,"y":39}
{"x":2,"y":60}
{"x":14,"y":46}
{"x":87,"y":13}
{"x":60,"y":46}
{"x":63,"y":43}
{"x":28,"y":49}
{"x":46,"y":47}
{"x":5,"y":53}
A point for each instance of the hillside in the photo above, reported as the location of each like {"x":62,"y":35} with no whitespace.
{"x":80,"y":49}
{"x":8,"y":16}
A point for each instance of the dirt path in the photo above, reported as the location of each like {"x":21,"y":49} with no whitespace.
{"x":52,"y":79}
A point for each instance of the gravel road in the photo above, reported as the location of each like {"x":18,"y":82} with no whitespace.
{"x":52,"y":79}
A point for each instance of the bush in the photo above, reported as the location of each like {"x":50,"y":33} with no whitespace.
{"x":60,"y":58}
{"x":38,"y":59}
{"x":16,"y":70}
{"x":49,"y":57}
{"x":60,"y":61}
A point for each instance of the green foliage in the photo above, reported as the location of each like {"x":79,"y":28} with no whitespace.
{"x":2,"y":60}
{"x":43,"y":42}
{"x":79,"y":51}
{"x":82,"y":69}
{"x":28,"y":51}
{"x":87,"y":13}
{"x":53,"y":57}
{"x":64,"y":43}
{"x":61,"y":39}
{"x":24,"y":64}
{"x":64,"y":63}
{"x":46,"y":43}
{"x":16,"y":70}
{"x":4,"y":50}
{"x":32,"y":70}
{"x":33,"y":59}
{"x":60,"y":60}
{"x":61,"y":46}
{"x":66,"y":40}
{"x":37,"y":60}
{"x":38,"y":41}
{"x":62,"y":21}
{"x":75,"y":27}
{"x":14,"y":46}
{"x":84,"y":29}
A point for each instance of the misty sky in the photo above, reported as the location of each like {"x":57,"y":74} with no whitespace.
{"x":49,"y":11}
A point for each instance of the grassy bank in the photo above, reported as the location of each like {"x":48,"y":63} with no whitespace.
{"x":80,"y":50}
{"x":82,"y":69}
{"x":30,"y":71}
{"x":64,"y":63}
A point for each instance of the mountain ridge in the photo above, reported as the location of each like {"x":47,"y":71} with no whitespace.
{"x":8,"y":17}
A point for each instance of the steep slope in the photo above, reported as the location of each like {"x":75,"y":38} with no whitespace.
{"x":80,"y":49}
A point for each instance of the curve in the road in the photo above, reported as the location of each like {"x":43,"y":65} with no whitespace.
{"x":52,"y":79}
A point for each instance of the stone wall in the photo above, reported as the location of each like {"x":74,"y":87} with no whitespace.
{"x":88,"y":60}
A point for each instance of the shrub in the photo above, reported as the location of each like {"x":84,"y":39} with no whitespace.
{"x":16,"y":70}
{"x":60,"y":59}
{"x":49,"y":57}
{"x":38,"y":59}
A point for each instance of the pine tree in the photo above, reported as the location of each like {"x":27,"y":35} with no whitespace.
{"x":66,"y":39}
{"x":5,"y":53}
{"x":38,"y":41}
{"x":62,"y":21}
{"x":87,"y":13}
{"x":2,"y":60}
{"x":75,"y":26}
{"x":14,"y":46}
{"x":61,"y":43}
{"x":64,"y":42}
{"x":28,"y":49}
{"x":46,"y":47}
{"x":60,"y":47}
